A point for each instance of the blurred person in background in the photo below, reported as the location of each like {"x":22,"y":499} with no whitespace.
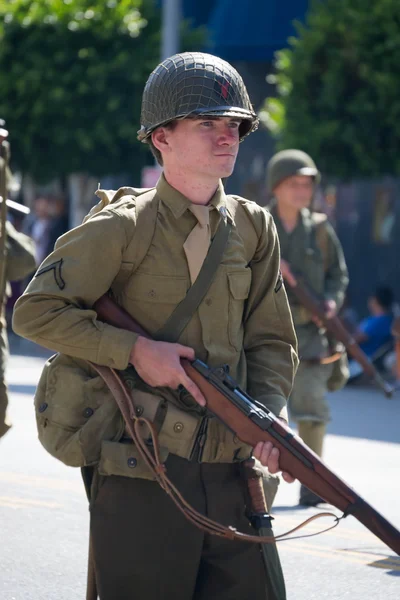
{"x":46,"y":224}
{"x":311,"y":251}
{"x":19,"y":255}
{"x":373,"y":333}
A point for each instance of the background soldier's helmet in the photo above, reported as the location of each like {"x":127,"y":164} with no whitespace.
{"x":288,"y":163}
{"x":194,"y":84}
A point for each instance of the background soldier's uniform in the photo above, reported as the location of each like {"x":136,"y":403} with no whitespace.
{"x":244,"y":321}
{"x":20,"y":263}
{"x":314,"y":254}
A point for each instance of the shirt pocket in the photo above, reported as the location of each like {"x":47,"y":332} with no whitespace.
{"x":239,"y":288}
{"x":157,"y":289}
{"x":152,"y":298}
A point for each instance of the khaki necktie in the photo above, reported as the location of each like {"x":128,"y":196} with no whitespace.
{"x":198,"y":241}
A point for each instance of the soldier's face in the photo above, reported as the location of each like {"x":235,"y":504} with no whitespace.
{"x":205,"y":147}
{"x":295,"y":192}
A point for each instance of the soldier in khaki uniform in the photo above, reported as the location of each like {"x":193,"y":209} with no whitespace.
{"x":195,"y":111}
{"x":310,"y":250}
{"x":20,"y":262}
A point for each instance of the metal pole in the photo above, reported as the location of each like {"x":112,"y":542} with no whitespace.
{"x":171,"y":15}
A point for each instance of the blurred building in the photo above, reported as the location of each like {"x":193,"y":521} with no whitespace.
{"x":247,"y":34}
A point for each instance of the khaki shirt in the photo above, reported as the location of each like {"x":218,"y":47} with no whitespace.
{"x":244,"y":320}
{"x":323,"y":270}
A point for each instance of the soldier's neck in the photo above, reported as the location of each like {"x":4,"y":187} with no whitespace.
{"x":288,"y":216}
{"x":197,"y":191}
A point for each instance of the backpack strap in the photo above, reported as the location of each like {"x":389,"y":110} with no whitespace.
{"x":146,"y":219}
{"x":146,"y":209}
{"x":322,"y":238}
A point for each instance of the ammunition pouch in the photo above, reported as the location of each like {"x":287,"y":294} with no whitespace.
{"x":79,"y":423}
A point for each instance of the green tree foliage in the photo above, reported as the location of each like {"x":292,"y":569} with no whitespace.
{"x":338,"y":88}
{"x":71,"y":77}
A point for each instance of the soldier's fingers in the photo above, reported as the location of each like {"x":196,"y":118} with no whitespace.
{"x":269,"y":457}
{"x":317,"y":321}
{"x":291,"y":279}
{"x":273,"y":461}
{"x":192,"y":388}
{"x":185,"y":351}
{"x":257,"y":450}
{"x":287,"y":477}
{"x":262,"y":451}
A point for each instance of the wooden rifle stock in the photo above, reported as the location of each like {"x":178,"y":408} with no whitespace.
{"x":252,"y":423}
{"x":335,"y":326}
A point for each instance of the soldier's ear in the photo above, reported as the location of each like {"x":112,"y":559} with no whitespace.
{"x":159,"y":137}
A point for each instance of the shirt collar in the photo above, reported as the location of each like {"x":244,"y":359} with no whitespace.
{"x":178,"y":203}
{"x":303,"y":221}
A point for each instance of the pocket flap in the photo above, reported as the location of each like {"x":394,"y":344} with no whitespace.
{"x":156,"y":288}
{"x":125,"y":460}
{"x":239,"y":284}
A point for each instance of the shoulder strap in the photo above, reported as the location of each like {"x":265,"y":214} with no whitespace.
{"x":146,"y":219}
{"x":321,"y":237}
{"x":239,"y":210}
{"x":185,"y":310}
{"x":146,"y":209}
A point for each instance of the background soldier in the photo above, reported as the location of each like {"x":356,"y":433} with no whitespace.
{"x":17,"y":258}
{"x":195,"y":111}
{"x":311,"y":250}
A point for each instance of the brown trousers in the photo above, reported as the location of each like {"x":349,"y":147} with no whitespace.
{"x":145,"y":549}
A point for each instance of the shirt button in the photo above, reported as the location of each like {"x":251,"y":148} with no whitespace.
{"x":152,"y":293}
{"x":178,"y":427}
{"x":132,"y":462}
{"x":43,"y":407}
{"x":208,"y":301}
{"x":88,"y":412}
{"x":139,"y":411}
{"x":236,"y":439}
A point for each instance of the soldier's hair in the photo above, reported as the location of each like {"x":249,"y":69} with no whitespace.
{"x":385,"y":297}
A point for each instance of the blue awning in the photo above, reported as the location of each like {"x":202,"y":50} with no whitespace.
{"x":247,"y":29}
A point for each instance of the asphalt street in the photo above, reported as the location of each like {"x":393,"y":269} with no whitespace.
{"x":44,"y":516}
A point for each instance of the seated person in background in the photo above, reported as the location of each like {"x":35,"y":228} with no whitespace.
{"x":374,"y":332}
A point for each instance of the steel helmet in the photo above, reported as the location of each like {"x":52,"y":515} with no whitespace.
{"x":194,"y":83}
{"x":287,"y":163}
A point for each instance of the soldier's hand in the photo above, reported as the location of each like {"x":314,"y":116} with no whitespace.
{"x":268,"y":456}
{"x":330,"y":308}
{"x":287,"y":273}
{"x":158,"y":364}
{"x":330,"y":311}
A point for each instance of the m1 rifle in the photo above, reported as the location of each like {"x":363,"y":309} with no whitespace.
{"x":251,"y":422}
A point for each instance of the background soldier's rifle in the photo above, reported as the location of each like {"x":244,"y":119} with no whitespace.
{"x":252,"y":423}
{"x":335,"y":326}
